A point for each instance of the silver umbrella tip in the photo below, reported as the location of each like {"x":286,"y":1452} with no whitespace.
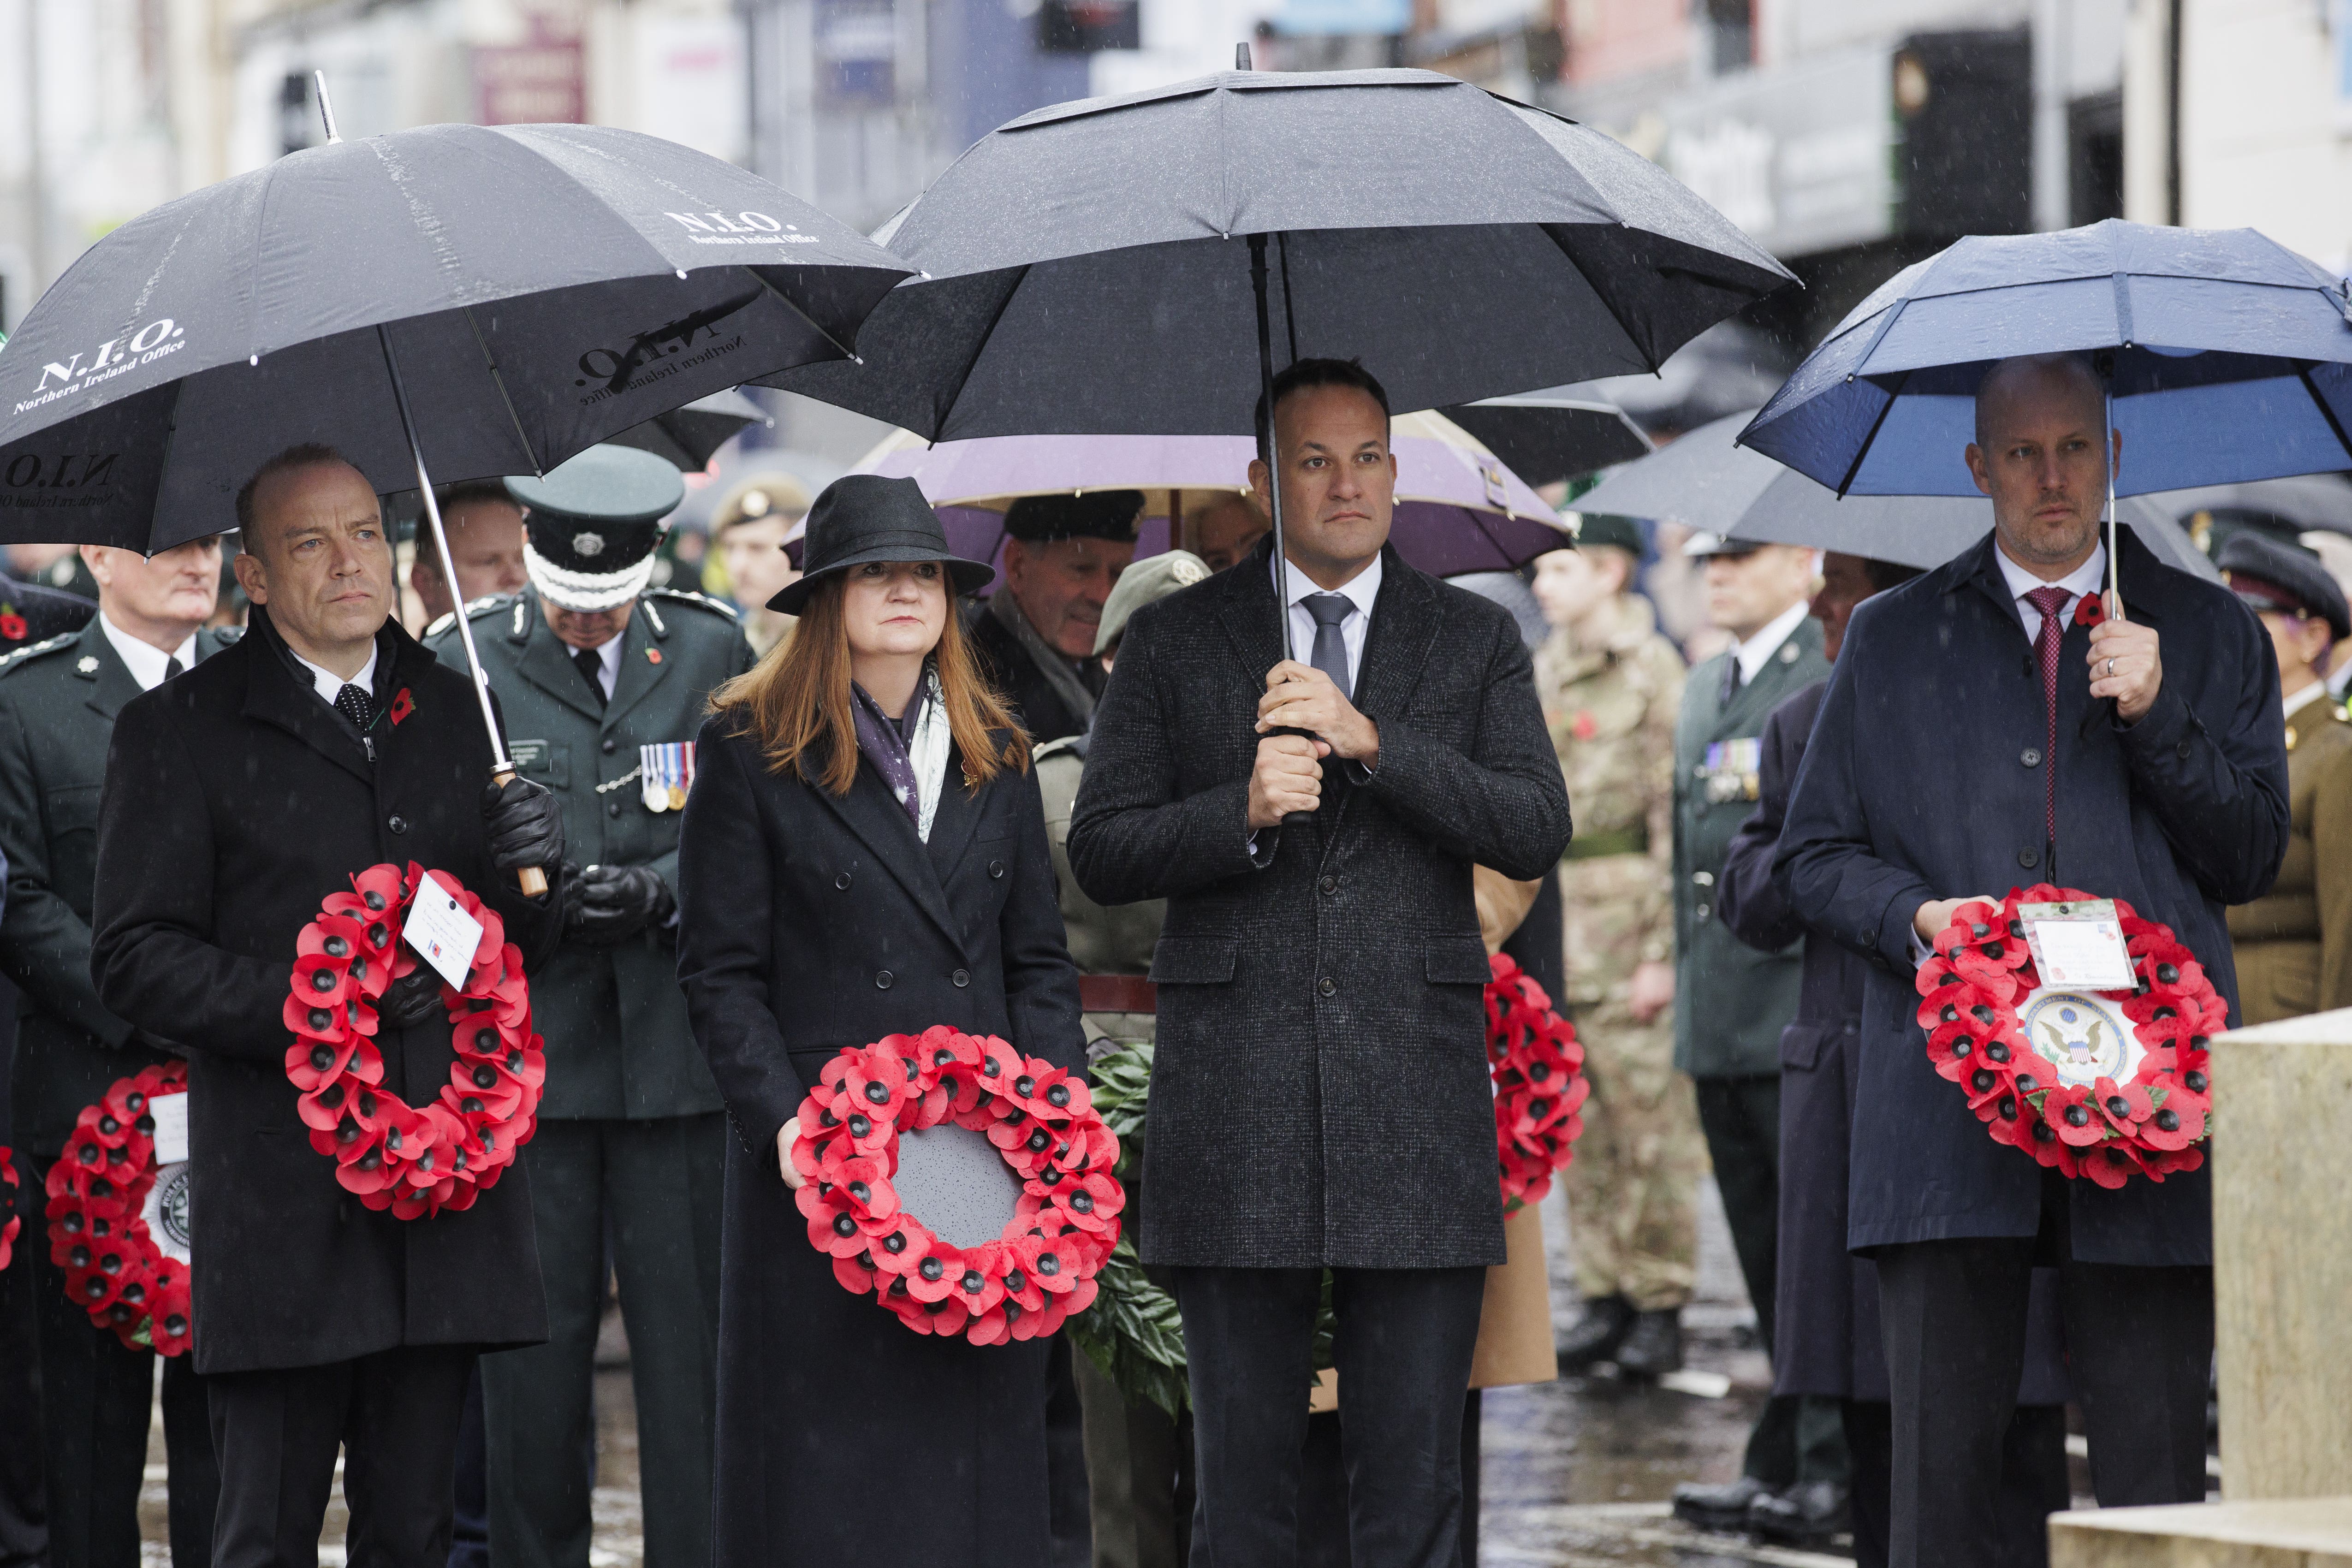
{"x":326,"y":108}
{"x":1242,"y":58}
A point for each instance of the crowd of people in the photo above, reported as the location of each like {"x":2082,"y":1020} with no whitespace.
{"x":1272,"y":817}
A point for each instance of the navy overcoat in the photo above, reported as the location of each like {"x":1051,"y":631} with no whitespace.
{"x":1923,"y":780}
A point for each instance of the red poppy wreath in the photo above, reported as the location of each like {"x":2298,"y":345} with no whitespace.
{"x":15,"y":1222}
{"x":2103,"y":1084}
{"x":98,"y":1234}
{"x":1042,"y":1121}
{"x":1538,"y":1067}
{"x":418,"y":1161}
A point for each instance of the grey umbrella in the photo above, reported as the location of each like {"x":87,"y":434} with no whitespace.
{"x":1706,"y":480}
{"x":688,"y":435}
{"x":455,"y":301}
{"x":1545,"y":437}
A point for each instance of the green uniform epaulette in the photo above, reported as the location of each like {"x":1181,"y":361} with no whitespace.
{"x":27,"y":654}
{"x":687,"y":596}
{"x":475,"y":610}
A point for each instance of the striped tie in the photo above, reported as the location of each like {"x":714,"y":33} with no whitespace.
{"x":2052,"y":603}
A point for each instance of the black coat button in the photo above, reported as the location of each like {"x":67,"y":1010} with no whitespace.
{"x":611,"y":745}
{"x":1329,"y":884}
{"x":882,"y":980}
{"x":2028,"y":858}
{"x":2183,"y":750}
{"x":961,"y":977}
{"x":1327,"y":985}
{"x":398,"y":824}
{"x":2030,"y":757}
{"x":841,"y":881}
{"x":613,"y":808}
{"x":997,"y":868}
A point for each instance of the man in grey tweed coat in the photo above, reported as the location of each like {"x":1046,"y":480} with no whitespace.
{"x":1320,"y":1096}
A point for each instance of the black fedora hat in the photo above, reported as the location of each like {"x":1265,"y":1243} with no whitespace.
{"x":861,"y":518}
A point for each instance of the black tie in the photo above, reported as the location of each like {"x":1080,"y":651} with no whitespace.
{"x":172,"y":668}
{"x":591,"y":668}
{"x":1731,"y":679}
{"x":353,"y":703}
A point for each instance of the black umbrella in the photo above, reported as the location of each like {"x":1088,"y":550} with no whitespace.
{"x":687,"y":437}
{"x":1544,"y":437}
{"x":455,"y":301}
{"x":1133,"y":265}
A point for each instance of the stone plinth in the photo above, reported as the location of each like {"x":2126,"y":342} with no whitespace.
{"x":2282,"y":1259}
{"x":2299,"y":1532}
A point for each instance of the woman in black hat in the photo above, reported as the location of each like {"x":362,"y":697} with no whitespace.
{"x":864,"y":854}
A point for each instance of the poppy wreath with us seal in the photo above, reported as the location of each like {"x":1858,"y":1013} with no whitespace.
{"x":2147,"y":1119}
{"x":98,"y":1230}
{"x":1028,"y":1280}
{"x":1538,"y":1067}
{"x":415,"y":1161}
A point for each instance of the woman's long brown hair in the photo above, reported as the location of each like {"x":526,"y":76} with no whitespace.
{"x":795,"y":702}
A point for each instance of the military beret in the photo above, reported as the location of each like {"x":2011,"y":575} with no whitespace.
{"x":1096,"y":514}
{"x":1604,"y":528}
{"x":1147,"y":582}
{"x":762,"y":495}
{"x":2267,"y":574}
{"x":592,"y":523}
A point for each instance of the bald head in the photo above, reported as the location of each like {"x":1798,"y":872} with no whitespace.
{"x":2041,"y":453}
{"x":317,"y":557}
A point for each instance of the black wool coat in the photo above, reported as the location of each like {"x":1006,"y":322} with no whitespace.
{"x":1923,"y":780}
{"x":809,"y":921}
{"x":235,"y":801}
{"x":1320,"y":1096}
{"x":1826,"y":1329}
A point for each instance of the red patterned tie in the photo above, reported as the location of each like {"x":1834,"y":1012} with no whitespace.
{"x":2052,"y":603}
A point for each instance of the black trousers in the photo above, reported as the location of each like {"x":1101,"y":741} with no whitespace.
{"x":24,"y":1533}
{"x":2033,"y":1483}
{"x":1797,"y":1437}
{"x":97,"y":1395}
{"x":2140,"y":1341}
{"x":1403,"y":1348}
{"x":655,"y":1188}
{"x":393,"y":1416}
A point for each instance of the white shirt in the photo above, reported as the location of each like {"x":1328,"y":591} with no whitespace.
{"x":1360,"y":591}
{"x":608,"y":662}
{"x":2304,"y":697}
{"x":1752,"y":653}
{"x":328,"y":685}
{"x":146,"y":662}
{"x":2090,"y":577}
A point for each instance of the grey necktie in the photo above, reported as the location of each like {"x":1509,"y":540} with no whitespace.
{"x":1330,"y":654}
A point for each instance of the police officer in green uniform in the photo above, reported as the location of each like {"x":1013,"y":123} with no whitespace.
{"x":1732,"y":1001}
{"x":59,"y":699}
{"x":602,"y":684}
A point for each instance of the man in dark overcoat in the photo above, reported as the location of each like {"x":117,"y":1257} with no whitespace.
{"x":1731,"y":1000}
{"x":1036,"y":635}
{"x":1320,"y":1098}
{"x":59,"y":699}
{"x":1928,"y":781}
{"x":603,"y":683}
{"x":1826,"y":1340}
{"x":237,"y":797}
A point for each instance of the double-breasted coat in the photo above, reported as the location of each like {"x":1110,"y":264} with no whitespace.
{"x":1320,"y":1096}
{"x":810,"y":922}
{"x":235,"y":801}
{"x":1731,"y":999}
{"x":1923,"y":780}
{"x":1825,"y":1323}
{"x":59,"y":699}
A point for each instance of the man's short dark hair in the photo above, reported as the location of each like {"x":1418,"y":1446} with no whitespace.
{"x":307,"y":454}
{"x":465,"y":492}
{"x":1885,"y":574}
{"x":1300,"y":375}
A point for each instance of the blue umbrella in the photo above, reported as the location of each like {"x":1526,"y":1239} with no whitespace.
{"x":2224,"y":353}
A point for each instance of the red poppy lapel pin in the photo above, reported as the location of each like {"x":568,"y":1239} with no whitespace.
{"x":12,"y":625}
{"x":2090,"y":610}
{"x":402,"y":705}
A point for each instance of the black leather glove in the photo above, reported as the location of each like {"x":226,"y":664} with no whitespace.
{"x":412,"y":1000}
{"x":525,"y":824}
{"x":616,"y":902}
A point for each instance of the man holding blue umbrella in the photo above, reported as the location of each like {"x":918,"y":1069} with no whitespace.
{"x":1978,"y":734}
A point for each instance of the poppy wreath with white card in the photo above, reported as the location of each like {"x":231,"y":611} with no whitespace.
{"x":2103,"y":1084}
{"x":415,"y":1161}
{"x":105,"y":1207}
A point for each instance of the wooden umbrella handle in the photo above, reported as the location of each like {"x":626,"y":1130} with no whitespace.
{"x":532,"y":878}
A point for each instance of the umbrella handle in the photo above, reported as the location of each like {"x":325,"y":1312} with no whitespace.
{"x":532,"y":880}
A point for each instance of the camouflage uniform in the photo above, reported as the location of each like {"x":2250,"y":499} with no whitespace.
{"x":1115,"y":941}
{"x":1632,"y":1188}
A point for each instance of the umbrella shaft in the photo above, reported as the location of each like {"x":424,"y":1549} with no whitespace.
{"x":1272,"y":463}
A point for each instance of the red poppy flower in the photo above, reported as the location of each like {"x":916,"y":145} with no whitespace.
{"x":855,"y":1273}
{"x":2090,"y":610}
{"x":2176,"y":1123}
{"x":2125,"y":1106}
{"x":2071,"y":1114}
{"x":2162,"y":1162}
{"x":172,"y":1327}
{"x":2112,"y":1163}
{"x":993,"y":1326}
{"x":872,"y":1083}
{"x":12,"y":626}
{"x":901,"y":1248}
{"x":981,"y":1285}
{"x":945,"y":1316}
{"x":402,"y":705}
{"x":1048,"y":1093}
{"x":1092,"y":1200}
{"x":938,"y":1274}
{"x":998,"y":1066}
{"x":2041,"y":1140}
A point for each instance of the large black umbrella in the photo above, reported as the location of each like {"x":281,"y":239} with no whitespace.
{"x":686,"y":436}
{"x":450,"y":302}
{"x":1545,"y":437}
{"x":1139,"y":265}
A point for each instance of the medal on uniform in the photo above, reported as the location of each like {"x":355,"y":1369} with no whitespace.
{"x":649,"y":769}
{"x":668,"y":770}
